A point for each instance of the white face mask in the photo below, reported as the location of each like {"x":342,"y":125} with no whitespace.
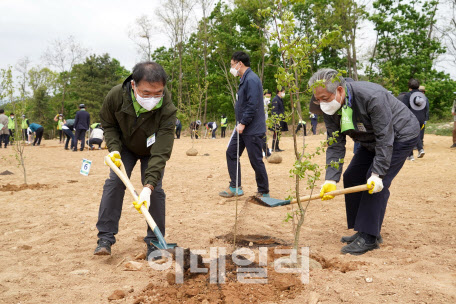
{"x":60,"y":118}
{"x":234,"y":71}
{"x":282,"y":95}
{"x":147,"y":103}
{"x":267,"y":99}
{"x":331,"y":107}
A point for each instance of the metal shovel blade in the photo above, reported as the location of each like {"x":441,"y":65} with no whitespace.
{"x":271,"y":202}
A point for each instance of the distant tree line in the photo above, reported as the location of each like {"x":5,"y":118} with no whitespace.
{"x":408,"y":44}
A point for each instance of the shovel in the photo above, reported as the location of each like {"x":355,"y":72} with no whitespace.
{"x":122,"y":174}
{"x":274,"y":202}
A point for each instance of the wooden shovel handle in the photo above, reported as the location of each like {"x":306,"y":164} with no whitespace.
{"x":122,"y":174}
{"x":335,"y":193}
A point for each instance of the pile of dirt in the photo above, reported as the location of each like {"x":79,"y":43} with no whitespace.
{"x":192,"y":152}
{"x":197,"y":288}
{"x":274,"y":159}
{"x":252,"y":240}
{"x":336,"y":264}
{"x":11,"y":187}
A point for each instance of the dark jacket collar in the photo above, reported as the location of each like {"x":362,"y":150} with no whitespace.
{"x":245,"y":75}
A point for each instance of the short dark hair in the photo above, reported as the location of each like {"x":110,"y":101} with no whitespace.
{"x":278,"y":91}
{"x":149,"y":71}
{"x":11,"y":113}
{"x":242,"y":57}
{"x":2,"y":111}
{"x":413,"y":84}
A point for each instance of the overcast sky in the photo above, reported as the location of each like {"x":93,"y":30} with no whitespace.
{"x":27,"y":27}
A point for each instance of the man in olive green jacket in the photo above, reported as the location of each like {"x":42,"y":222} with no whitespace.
{"x":138,"y":118}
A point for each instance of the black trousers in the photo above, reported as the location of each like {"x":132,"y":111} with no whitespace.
{"x":4,"y":138}
{"x":11,"y":137}
{"x":38,"y":135}
{"x":314,"y":123}
{"x":69,"y":135}
{"x":365,"y":212}
{"x":24,"y":134}
{"x":223,"y":132}
{"x":79,"y":135}
{"x":253,"y":144}
{"x":60,"y":135}
{"x":419,"y":143}
{"x":213,"y":132}
{"x":95,"y":141}
{"x":178,"y":131}
{"x":113,"y":195}
{"x":422,"y":136}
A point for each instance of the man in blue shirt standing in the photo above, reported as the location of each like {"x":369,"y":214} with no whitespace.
{"x":251,"y":127}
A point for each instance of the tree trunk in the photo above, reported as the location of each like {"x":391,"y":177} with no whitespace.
{"x":354,"y":60}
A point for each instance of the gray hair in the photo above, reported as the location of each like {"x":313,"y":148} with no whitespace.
{"x":330,"y":80}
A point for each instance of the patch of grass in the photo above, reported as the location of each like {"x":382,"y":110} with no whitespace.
{"x":441,"y":128}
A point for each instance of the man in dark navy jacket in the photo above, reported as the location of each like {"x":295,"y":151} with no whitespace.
{"x":251,"y":127}
{"x":386,"y":130}
{"x":81,"y":125}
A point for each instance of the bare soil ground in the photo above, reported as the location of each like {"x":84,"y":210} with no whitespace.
{"x":48,"y":234}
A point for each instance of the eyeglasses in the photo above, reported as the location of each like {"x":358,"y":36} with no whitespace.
{"x":318,"y":101}
{"x":160,"y":95}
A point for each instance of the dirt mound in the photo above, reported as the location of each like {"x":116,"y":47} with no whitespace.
{"x":336,"y":264}
{"x":197,"y":288}
{"x":192,"y":152}
{"x":275,"y":159}
{"x":11,"y":187}
{"x":252,"y":240}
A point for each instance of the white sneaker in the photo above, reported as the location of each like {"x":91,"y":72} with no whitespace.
{"x":421,"y":153}
{"x":411,"y":158}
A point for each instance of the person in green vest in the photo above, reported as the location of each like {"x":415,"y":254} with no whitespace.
{"x":60,"y":122}
{"x":11,"y":127}
{"x":223,"y":124}
{"x":302,"y":124}
{"x":24,"y":125}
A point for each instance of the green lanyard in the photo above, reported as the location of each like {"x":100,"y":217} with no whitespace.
{"x":346,"y":122}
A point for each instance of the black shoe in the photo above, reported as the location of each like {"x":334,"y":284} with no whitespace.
{"x":278,"y":150}
{"x":103,"y":248}
{"x":351,"y":238}
{"x":152,"y":248}
{"x":67,"y":149}
{"x":75,"y":150}
{"x":358,"y":247}
{"x":81,"y":149}
{"x":453,"y":146}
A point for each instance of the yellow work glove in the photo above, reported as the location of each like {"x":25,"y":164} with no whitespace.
{"x":376,"y":183}
{"x":144,"y":198}
{"x":115,"y":157}
{"x":328,"y":186}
